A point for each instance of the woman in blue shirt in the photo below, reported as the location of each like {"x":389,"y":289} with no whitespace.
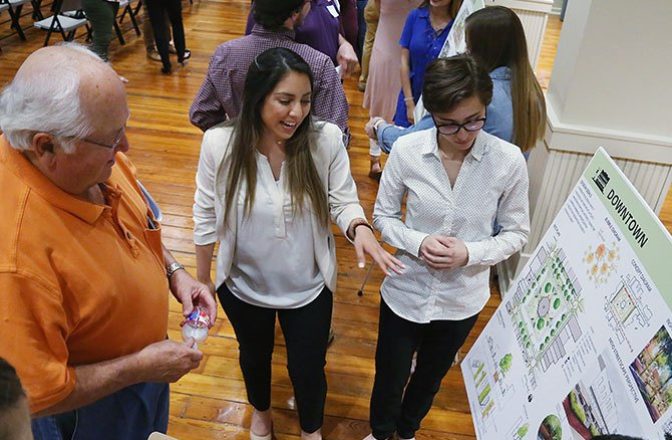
{"x":421,"y":41}
{"x":517,"y":113}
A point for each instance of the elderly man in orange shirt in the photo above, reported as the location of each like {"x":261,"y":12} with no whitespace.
{"x":84,"y":276}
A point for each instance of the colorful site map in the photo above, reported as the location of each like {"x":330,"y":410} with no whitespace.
{"x":581,"y":344}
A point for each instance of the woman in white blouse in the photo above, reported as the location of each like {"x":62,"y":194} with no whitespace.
{"x":267,"y":184}
{"x":458,"y":181}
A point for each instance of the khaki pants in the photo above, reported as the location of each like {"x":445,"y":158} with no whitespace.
{"x":371,"y":15}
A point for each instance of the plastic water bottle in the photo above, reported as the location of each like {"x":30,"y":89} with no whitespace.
{"x":196,"y":326}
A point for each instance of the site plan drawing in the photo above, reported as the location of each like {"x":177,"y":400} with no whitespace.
{"x":581,"y":344}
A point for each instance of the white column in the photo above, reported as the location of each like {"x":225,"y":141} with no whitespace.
{"x":610,"y":87}
{"x":533,"y":14}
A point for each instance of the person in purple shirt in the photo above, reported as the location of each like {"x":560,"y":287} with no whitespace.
{"x":322,"y":30}
{"x":421,"y":41}
{"x":220,"y":95}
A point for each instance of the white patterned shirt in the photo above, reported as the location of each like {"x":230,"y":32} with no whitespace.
{"x":491,"y":188}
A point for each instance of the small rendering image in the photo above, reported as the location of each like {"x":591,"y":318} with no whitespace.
{"x":550,"y":428}
{"x":652,"y":370}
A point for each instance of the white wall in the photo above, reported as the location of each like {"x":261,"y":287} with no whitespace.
{"x":612,"y":69}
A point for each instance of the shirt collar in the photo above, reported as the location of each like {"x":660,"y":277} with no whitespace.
{"x":24,"y":170}
{"x":423,"y":12}
{"x":258,"y":29}
{"x":431,"y":146}
{"x":502,"y":72}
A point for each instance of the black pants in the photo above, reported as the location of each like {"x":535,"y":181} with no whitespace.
{"x":157,"y":10}
{"x":436,"y":343}
{"x":306,"y":332}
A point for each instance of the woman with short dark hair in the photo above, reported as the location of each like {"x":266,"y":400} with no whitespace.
{"x":267,"y":184}
{"x":457,"y":182}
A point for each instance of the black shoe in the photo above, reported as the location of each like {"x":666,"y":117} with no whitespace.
{"x":185,"y":57}
{"x":166,"y":70}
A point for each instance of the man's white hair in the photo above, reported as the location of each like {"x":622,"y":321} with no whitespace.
{"x":47,"y":100}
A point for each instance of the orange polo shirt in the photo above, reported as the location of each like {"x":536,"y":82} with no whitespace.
{"x":80,"y":283}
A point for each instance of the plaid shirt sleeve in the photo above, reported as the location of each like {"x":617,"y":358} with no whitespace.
{"x":329,"y":98}
{"x":206,"y":110}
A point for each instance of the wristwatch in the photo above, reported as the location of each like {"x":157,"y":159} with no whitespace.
{"x":172,"y":268}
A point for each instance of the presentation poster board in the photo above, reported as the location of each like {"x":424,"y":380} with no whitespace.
{"x":582,"y":344}
{"x":455,"y":41}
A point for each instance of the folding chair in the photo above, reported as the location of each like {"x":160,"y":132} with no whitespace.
{"x":60,"y":22}
{"x":125,"y":6}
{"x":14,"y":8}
{"x":3,"y":7}
{"x":37,"y":10}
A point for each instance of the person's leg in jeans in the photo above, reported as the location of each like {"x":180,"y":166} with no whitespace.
{"x":46,"y":428}
{"x":133,"y":412}
{"x":101,"y":14}
{"x":306,"y":331}
{"x":440,"y":342}
{"x":157,"y":16}
{"x":255,"y":330}
{"x":397,"y":340}
{"x":174,"y":10}
{"x":361,"y":27}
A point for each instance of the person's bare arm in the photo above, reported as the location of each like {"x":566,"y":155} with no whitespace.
{"x":190,"y":292}
{"x":204,"y":255}
{"x":164,"y":361}
{"x":406,"y":83}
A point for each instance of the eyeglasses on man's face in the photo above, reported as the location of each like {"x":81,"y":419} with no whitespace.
{"x":451,"y":128}
{"x":115,"y":143}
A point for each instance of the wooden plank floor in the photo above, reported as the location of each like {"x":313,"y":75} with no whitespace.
{"x":210,"y":403}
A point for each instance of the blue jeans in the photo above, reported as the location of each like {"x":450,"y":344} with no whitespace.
{"x":361,"y":23}
{"x":130,"y":414}
{"x":389,"y":133}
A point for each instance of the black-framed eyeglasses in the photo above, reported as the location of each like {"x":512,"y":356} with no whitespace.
{"x":451,"y":128}
{"x":115,"y":143}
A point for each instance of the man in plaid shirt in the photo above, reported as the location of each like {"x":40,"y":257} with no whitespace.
{"x":220,"y":95}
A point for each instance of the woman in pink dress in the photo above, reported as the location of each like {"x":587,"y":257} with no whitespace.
{"x":384,"y":83}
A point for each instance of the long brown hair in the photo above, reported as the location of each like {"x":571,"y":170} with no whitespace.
{"x":303,"y":181}
{"x":495,"y":37}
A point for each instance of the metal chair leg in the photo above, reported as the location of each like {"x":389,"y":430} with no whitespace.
{"x":134,"y":21}
{"x":117,"y":30}
{"x":37,"y":13}
{"x":14,"y":16}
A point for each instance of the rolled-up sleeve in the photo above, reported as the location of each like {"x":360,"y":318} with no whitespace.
{"x":389,"y":133}
{"x":342,"y":192}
